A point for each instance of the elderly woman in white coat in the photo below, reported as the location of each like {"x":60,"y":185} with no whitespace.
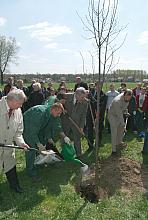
{"x":11,"y":122}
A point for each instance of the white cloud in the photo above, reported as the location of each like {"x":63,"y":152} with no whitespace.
{"x":55,"y":47}
{"x":35,"y":26}
{"x":51,"y":46}
{"x":44,"y":31}
{"x":143,"y":38}
{"x":19,"y":44}
{"x":64,"y":50}
{"x":2,"y":21}
{"x":26,"y":57}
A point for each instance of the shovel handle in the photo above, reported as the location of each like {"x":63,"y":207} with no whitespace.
{"x":16,"y":147}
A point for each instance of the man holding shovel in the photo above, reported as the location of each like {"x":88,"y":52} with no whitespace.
{"x":74,"y":117}
{"x":116,"y":119}
{"x":41,"y":124}
{"x":11,"y":122}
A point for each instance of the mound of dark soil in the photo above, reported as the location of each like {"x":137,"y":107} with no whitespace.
{"x":116,"y":174}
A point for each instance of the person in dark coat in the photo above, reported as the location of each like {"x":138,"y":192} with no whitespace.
{"x":103,"y":102}
{"x":141,"y":103}
{"x":20,"y":85}
{"x":1,"y":94}
{"x":132,"y":124}
{"x":30,"y":88}
{"x":145,"y":146}
{"x":8,"y":86}
{"x":36,"y":97}
{"x":80,"y":83}
{"x":41,"y":125}
{"x":50,"y":88}
{"x":62,"y":87}
{"x":44,"y":90}
{"x":122,"y":88}
{"x":91,"y":115}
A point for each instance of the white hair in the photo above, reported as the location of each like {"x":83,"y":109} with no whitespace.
{"x":16,"y":94}
{"x":36,"y":86}
{"x":80,"y":90}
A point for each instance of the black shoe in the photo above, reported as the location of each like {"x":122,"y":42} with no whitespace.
{"x":17,"y":189}
{"x":114,"y":153}
{"x":143,"y":152}
{"x":79,"y":157}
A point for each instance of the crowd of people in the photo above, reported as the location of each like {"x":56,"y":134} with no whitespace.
{"x":36,"y":117}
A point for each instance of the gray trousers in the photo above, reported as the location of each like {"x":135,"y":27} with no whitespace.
{"x":116,"y":132}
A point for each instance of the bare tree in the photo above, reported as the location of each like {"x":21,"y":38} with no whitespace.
{"x":83,"y":62}
{"x":102,"y":27}
{"x":92,"y":65}
{"x":8,"y":51}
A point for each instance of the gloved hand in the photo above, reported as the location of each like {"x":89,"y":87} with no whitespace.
{"x":67,"y":140}
{"x":125,"y":130}
{"x":84,"y":169}
{"x":127,"y":115}
{"x":50,"y":141}
{"x":40,"y":147}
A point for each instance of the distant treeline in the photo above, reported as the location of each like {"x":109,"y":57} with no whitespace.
{"x":115,"y":76}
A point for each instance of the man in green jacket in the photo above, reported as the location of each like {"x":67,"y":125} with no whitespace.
{"x":41,"y":125}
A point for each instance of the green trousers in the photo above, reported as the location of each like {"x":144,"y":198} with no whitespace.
{"x":30,"y":158}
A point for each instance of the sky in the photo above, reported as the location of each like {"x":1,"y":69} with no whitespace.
{"x":52,"y":38}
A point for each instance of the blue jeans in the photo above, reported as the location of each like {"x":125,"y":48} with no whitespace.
{"x":145,"y":146}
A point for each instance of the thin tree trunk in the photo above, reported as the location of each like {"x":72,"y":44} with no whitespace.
{"x":98,"y":142}
{"x":2,"y":77}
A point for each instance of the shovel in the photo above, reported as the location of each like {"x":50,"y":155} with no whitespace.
{"x":126,"y":120}
{"x":79,"y":130}
{"x":43,"y":152}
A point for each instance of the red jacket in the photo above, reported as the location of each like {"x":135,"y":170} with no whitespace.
{"x":145,"y":103}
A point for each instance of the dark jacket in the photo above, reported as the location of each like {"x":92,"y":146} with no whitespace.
{"x":132,"y":105}
{"x":81,"y":84}
{"x":35,"y":98}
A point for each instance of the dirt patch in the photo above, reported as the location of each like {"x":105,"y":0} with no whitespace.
{"x":116,"y":174}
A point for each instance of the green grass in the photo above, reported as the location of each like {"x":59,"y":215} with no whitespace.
{"x":55,"y":85}
{"x":105,"y":87}
{"x":55,"y":198}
